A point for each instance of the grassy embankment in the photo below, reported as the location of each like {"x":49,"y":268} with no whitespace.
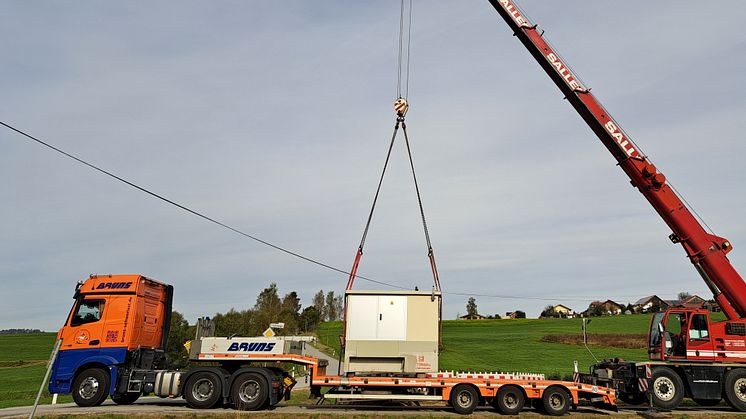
{"x":23,"y":360}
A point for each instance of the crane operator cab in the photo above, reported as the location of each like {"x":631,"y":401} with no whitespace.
{"x":680,"y":334}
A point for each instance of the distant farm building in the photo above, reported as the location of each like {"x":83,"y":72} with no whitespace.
{"x":558,"y":311}
{"x":518,"y":314}
{"x":650,"y":304}
{"x":603,"y":308}
{"x":475,"y":316}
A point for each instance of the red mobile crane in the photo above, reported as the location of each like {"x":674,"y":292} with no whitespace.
{"x":690,"y":355}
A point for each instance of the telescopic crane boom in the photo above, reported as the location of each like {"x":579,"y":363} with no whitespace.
{"x":706,"y":251}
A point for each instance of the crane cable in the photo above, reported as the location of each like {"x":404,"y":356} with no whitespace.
{"x":402,"y":64}
{"x":401,"y":106}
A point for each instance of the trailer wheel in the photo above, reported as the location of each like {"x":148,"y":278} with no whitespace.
{"x":667,"y":388}
{"x":735,"y":389}
{"x":126,"y":398}
{"x":509,"y":400}
{"x":464,"y":399}
{"x":250,"y":391}
{"x":555,"y":401}
{"x":90,"y":388}
{"x":203,"y":390}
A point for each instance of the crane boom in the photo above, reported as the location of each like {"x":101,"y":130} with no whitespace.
{"x":706,"y":251}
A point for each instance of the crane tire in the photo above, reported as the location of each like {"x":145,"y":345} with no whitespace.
{"x":735,"y":388}
{"x":667,"y":388}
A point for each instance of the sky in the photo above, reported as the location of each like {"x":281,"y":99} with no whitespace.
{"x":275,"y":117}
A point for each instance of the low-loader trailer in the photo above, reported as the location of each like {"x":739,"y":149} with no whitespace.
{"x":114,"y":342}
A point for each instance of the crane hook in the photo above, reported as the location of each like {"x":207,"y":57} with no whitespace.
{"x":401,"y":107}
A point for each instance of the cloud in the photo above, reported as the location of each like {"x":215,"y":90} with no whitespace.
{"x":275,"y":117}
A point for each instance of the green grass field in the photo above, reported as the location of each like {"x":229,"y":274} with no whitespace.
{"x":511,"y":345}
{"x":23,"y":360}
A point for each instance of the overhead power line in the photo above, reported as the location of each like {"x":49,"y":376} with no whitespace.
{"x":257,"y":239}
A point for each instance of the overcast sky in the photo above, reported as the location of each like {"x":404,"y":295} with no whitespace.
{"x":274,"y":117}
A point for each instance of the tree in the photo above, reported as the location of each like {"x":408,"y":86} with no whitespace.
{"x":319,"y":303}
{"x":268,"y":306}
{"x":290,"y":311}
{"x":683,"y":295}
{"x":630,"y":308}
{"x":548,"y":311}
{"x":179,"y":333}
{"x":309,"y":319}
{"x":471,"y":307}
{"x":333,"y":307}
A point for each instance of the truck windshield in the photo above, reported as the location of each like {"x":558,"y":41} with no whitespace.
{"x":655,"y":334}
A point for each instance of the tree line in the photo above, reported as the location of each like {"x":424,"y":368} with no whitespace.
{"x":269,"y":308}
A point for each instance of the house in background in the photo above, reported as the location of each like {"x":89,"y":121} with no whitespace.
{"x":603,"y":308}
{"x":518,"y":314}
{"x":650,"y":304}
{"x":558,"y":311}
{"x":475,"y":316}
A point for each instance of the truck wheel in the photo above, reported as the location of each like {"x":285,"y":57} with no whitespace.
{"x":555,"y":401}
{"x":464,"y":399}
{"x":90,"y":388}
{"x":668,"y":389}
{"x":735,"y":389}
{"x":250,"y":391}
{"x":509,"y":400}
{"x":126,"y":398}
{"x":203,"y":390}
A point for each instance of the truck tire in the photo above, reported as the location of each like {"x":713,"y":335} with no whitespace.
{"x":735,"y":389}
{"x":90,"y":387}
{"x":509,"y":400}
{"x":250,"y":391}
{"x":555,"y":401}
{"x":126,"y":398}
{"x":464,"y":399}
{"x":203,"y":390}
{"x":667,"y":388}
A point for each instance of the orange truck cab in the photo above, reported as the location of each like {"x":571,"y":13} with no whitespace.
{"x":116,"y":333}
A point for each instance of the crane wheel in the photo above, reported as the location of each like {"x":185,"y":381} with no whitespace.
{"x":667,"y":388}
{"x":735,"y":389}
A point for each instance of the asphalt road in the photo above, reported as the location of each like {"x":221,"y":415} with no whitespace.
{"x":158,"y":407}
